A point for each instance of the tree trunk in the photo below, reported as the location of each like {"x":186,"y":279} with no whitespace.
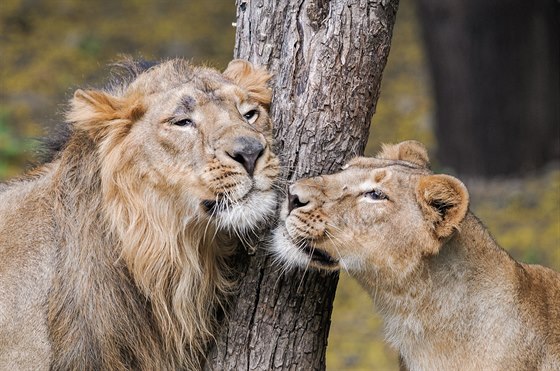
{"x":496,"y":72}
{"x":327,"y":58}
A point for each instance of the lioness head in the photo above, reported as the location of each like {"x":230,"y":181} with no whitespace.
{"x":191,"y":132}
{"x":379,"y":214}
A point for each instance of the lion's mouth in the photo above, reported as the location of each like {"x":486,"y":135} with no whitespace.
{"x":213,"y":207}
{"x":223,"y":203}
{"x":210,"y":206}
{"x":318,"y":255}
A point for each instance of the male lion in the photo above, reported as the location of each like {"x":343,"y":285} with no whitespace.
{"x":112,"y":256}
{"x":450,"y":297}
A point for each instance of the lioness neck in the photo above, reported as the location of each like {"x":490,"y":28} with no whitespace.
{"x":454,"y":305}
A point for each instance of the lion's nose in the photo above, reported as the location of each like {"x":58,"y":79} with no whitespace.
{"x":247,"y":151}
{"x":294,"y":201}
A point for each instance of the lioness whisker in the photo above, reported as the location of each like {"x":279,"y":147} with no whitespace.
{"x":340,"y":260}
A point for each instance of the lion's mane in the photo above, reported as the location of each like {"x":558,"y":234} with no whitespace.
{"x":180,"y":271}
{"x":139,"y":278}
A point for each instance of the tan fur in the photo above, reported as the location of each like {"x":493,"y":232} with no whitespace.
{"x":111,"y":256}
{"x":410,"y":151}
{"x":451,"y":298}
{"x":251,"y":79}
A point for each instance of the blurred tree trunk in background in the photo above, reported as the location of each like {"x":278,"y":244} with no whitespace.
{"x":327,"y":58}
{"x":495,"y":66}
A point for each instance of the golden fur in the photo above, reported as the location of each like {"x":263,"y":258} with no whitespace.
{"x":113,"y":255}
{"x":451,"y":298}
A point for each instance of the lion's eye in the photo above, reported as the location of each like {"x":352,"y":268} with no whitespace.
{"x":376,"y":194}
{"x":251,"y":116}
{"x":183,"y":122}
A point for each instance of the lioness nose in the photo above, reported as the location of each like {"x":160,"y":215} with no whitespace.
{"x":247,"y":151}
{"x":294,"y":202}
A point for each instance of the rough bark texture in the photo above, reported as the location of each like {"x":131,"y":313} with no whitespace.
{"x":327,"y":58}
{"x":496,"y":71}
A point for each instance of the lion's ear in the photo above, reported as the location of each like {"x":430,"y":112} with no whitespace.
{"x":251,"y":78}
{"x":444,"y":201}
{"x":100,"y":114}
{"x":410,"y":151}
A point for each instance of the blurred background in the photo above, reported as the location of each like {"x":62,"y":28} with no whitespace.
{"x":477,"y":81}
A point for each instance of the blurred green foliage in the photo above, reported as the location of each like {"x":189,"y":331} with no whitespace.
{"x":50,"y":47}
{"x":523,"y":215}
{"x":15,"y":151}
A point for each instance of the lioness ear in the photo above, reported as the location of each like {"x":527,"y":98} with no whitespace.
{"x":100,"y":114}
{"x":251,"y":78}
{"x":410,"y":151}
{"x":444,"y":200}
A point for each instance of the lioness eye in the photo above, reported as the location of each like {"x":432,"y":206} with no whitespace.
{"x":183,"y":122}
{"x":251,"y":116}
{"x":376,"y":194}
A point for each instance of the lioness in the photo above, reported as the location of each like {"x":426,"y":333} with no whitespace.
{"x":450,"y":297}
{"x":112,"y":255}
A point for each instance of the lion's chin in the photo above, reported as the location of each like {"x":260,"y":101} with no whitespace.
{"x":250,"y":212}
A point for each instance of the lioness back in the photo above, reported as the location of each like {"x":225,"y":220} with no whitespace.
{"x":451,"y":298}
{"x":114,"y":254}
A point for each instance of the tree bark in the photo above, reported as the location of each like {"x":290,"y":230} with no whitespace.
{"x":496,"y":72}
{"x":327,"y":58}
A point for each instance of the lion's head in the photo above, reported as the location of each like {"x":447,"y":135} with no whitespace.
{"x":202,"y":136}
{"x":377,"y":215}
{"x":181,"y":158}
